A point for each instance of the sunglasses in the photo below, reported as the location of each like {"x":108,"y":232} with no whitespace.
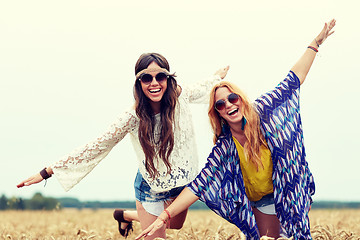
{"x":148,"y":78}
{"x":232,"y":98}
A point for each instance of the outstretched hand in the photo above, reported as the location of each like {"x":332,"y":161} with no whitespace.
{"x":325,"y":32}
{"x":156,"y":225}
{"x":222,"y":72}
{"x":31,"y":180}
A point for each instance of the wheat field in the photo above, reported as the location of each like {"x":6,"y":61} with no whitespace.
{"x":99,"y":224}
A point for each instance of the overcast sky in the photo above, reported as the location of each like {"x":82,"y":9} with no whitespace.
{"x":67,"y":71}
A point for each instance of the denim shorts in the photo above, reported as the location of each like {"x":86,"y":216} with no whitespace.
{"x":153,"y":202}
{"x":265,"y":205}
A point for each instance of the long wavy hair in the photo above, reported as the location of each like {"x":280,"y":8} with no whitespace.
{"x":165,"y":144}
{"x":254,"y":137}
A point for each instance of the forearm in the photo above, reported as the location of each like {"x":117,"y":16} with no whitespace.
{"x":185,"y":199}
{"x":303,"y":65}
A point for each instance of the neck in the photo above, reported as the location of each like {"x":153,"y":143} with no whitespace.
{"x":155,"y":107}
{"x":236,"y":130}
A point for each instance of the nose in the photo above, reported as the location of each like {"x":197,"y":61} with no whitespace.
{"x":154,"y":82}
{"x":227,"y":103}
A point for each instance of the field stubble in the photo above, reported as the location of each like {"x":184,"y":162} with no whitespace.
{"x":199,"y":225}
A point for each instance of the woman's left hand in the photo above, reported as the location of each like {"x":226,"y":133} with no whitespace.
{"x":222,"y":72}
{"x":325,"y":32}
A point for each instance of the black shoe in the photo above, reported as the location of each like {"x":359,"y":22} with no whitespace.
{"x":119,"y":216}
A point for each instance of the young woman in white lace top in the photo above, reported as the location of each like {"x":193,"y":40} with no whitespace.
{"x":162,"y":134}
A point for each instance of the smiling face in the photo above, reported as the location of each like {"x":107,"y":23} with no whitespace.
{"x":231,"y":112}
{"x":155,"y":90}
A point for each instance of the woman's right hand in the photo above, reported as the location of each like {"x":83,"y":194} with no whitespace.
{"x":156,"y":225}
{"x":31,"y":180}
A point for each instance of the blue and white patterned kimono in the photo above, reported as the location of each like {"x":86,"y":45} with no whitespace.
{"x":220,"y":183}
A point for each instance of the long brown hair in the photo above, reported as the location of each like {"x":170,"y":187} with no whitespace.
{"x":145,"y":113}
{"x":252,"y":131}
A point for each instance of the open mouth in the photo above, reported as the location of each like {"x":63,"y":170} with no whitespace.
{"x":232,"y":112}
{"x":155,"y":90}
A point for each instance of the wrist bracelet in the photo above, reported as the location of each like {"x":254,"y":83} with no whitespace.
{"x":167,"y":212}
{"x":44,"y":174}
{"x":312,"y":48}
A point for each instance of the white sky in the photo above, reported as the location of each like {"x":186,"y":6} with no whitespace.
{"x":67,"y":70}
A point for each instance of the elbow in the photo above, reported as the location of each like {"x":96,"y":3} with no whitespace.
{"x":300,"y":75}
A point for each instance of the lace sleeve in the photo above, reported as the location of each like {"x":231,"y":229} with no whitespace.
{"x":199,"y":91}
{"x":72,"y":168}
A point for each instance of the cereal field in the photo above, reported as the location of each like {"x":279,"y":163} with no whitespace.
{"x":99,"y":224}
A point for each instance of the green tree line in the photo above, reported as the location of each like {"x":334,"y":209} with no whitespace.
{"x":39,"y":202}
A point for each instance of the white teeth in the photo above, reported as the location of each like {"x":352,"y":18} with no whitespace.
{"x":154,"y":90}
{"x":232,"y":111}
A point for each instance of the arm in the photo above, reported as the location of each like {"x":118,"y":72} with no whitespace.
{"x":181,"y":203}
{"x":302,"y":67}
{"x":35,"y":178}
{"x":75,"y":166}
{"x":197,"y":92}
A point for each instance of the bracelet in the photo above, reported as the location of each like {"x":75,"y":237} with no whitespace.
{"x":312,"y":48}
{"x":317,"y":43}
{"x":45,"y":175}
{"x":167,"y":212}
{"x":164,"y":221}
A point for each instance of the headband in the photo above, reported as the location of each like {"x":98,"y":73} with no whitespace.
{"x":151,"y":70}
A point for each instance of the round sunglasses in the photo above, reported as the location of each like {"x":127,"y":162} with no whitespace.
{"x":232,"y":98}
{"x":148,"y":78}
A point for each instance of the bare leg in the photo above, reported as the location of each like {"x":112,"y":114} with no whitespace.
{"x":146,"y":219}
{"x":269,"y":225}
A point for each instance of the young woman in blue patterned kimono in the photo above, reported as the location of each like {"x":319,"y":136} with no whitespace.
{"x":256,"y":176}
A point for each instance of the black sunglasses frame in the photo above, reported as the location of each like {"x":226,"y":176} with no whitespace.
{"x":147,"y":78}
{"x":231,"y":98}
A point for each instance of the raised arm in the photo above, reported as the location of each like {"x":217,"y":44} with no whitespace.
{"x":197,"y":92}
{"x":73,"y":167}
{"x":302,"y":66}
{"x":185,"y":199}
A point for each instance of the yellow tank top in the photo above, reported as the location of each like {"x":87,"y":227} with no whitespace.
{"x":257,"y":183}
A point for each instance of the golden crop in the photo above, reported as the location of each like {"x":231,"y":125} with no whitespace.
{"x":201,"y":225}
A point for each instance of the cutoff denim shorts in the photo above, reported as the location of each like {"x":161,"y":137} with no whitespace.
{"x":153,"y":202}
{"x":265,"y":205}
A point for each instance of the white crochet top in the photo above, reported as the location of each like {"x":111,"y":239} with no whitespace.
{"x":183,"y":159}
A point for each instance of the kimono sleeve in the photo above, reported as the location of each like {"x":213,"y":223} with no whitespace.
{"x":208,"y":182}
{"x":280,"y":119}
{"x":286,"y":89}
